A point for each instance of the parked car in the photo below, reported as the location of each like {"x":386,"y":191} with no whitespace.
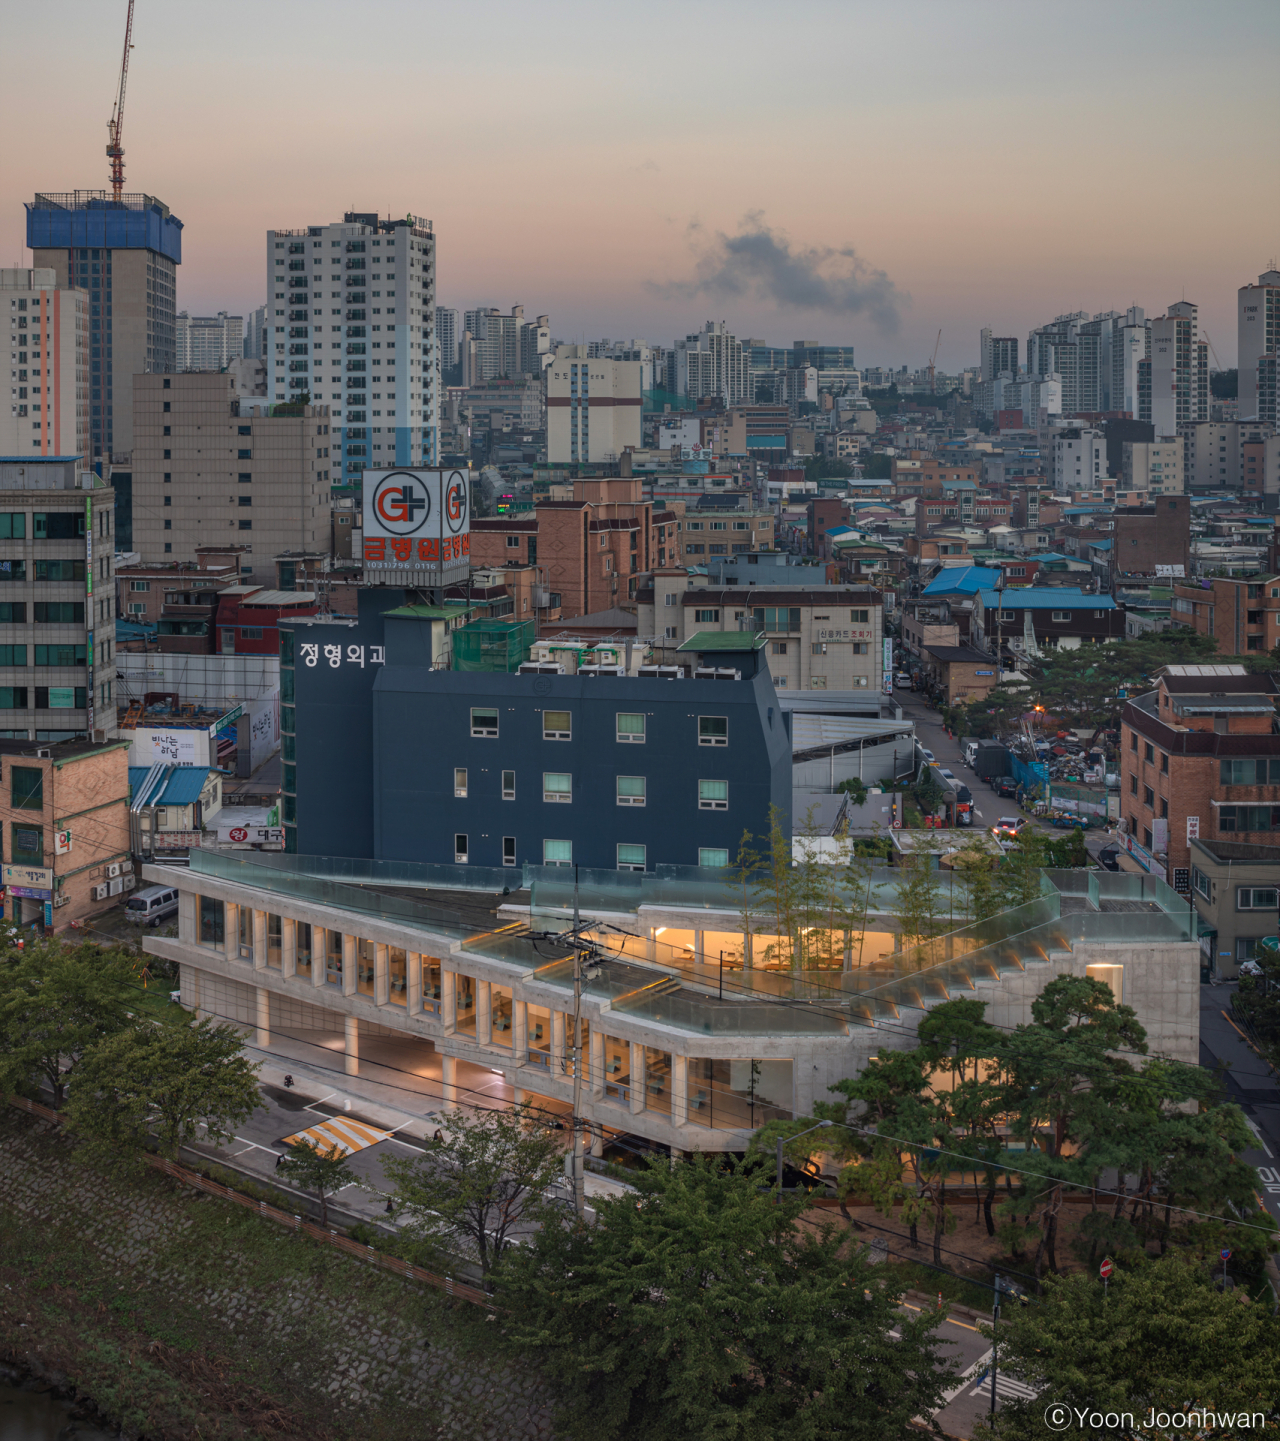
{"x":1007,"y":828}
{"x":153,"y":905}
{"x":1109,"y":858}
{"x":928,"y":755}
{"x":946,"y":774}
{"x":1006,"y":787}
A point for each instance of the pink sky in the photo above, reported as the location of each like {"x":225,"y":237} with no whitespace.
{"x":1000,"y":162}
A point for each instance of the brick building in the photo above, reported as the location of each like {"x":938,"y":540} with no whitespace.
{"x":1200,"y":758}
{"x":1241,"y":615}
{"x":1146,"y":536}
{"x":65,"y":812}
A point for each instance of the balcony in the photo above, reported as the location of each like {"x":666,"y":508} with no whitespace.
{"x":356,"y":364}
{"x":299,"y":349}
{"x":299,"y":314}
{"x":354,"y":245}
{"x":355,"y":314}
{"x":299,"y":332}
{"x":356,"y":349}
{"x":296,"y":365}
{"x":355,"y":265}
{"x":297,"y":265}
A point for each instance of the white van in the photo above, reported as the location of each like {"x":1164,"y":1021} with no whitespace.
{"x":152,"y":906}
{"x":970,"y":753}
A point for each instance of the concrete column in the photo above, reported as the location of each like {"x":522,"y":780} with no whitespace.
{"x":748,"y":958}
{"x":195,"y":990}
{"x":231,"y":929}
{"x":594,"y":1077}
{"x":262,"y":1035}
{"x":348,"y":965}
{"x":520,"y":1032}
{"x":188,"y":917}
{"x":319,"y":955}
{"x":517,"y":1096}
{"x":637,"y":1077}
{"x":449,"y":1000}
{"x":288,"y":947}
{"x":653,"y":946}
{"x":679,"y":1090}
{"x":597,"y":1141}
{"x":559,"y":1053}
{"x":259,"y":940}
{"x":484,"y":1013}
{"x":449,"y":1080}
{"x":698,"y":957}
{"x":381,"y":976}
{"x":413,"y":983}
{"x":351,"y":1028}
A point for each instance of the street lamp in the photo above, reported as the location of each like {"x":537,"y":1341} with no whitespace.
{"x":782,"y":1140}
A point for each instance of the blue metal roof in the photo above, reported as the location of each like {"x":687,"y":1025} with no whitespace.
{"x":967,"y":579}
{"x":39,"y":459}
{"x":1100,"y":545}
{"x":1048,"y":597}
{"x":182,"y":788}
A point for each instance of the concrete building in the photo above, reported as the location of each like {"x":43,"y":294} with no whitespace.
{"x":353,"y":306}
{"x":56,"y":548}
{"x":211,"y":468}
{"x":1059,"y":617}
{"x":714,"y":364}
{"x":1154,"y":466}
{"x":1078,"y":459}
{"x":377,"y":977}
{"x":1241,"y":615}
{"x":125,"y":255}
{"x":1144,"y":537}
{"x":1200,"y":760}
{"x":1179,"y":370}
{"x":593,"y":407}
{"x":64,"y":808}
{"x":1258,"y":336}
{"x":207,"y":342}
{"x":448,"y":333}
{"x":1234,"y":887}
{"x":999,"y":353}
{"x":49,"y":366}
{"x":257,"y":334}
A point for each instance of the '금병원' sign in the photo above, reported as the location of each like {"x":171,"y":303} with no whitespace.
{"x":417,"y":527}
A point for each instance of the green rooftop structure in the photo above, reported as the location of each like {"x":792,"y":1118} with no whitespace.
{"x":493,"y":645}
{"x":708,"y":642}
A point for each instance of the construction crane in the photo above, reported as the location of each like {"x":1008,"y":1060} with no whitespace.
{"x":115,"y":126}
{"x":932,"y":359}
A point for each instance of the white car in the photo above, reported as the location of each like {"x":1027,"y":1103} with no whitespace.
{"x":946,"y":774}
{"x":1007,"y":827}
{"x":928,"y":755}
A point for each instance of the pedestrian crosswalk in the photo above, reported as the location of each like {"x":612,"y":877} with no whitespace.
{"x":1007,"y":1386}
{"x":340,"y":1134}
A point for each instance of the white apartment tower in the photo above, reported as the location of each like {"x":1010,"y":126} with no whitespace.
{"x":593,"y":407}
{"x":353,"y":327}
{"x":714,"y":363}
{"x":1179,"y":370}
{"x":448,"y":333}
{"x":49,"y":366}
{"x":1258,"y":332}
{"x":999,"y":354}
{"x":208,"y":342}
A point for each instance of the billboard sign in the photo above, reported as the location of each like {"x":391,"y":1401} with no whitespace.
{"x":417,"y":527}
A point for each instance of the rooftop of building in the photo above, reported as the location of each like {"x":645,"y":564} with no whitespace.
{"x":183,"y":784}
{"x":709,"y":641}
{"x":1049,"y":597}
{"x":1238,"y":851}
{"x":59,"y":752}
{"x":959,"y":655}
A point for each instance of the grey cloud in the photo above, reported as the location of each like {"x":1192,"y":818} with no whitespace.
{"x":760,"y":261}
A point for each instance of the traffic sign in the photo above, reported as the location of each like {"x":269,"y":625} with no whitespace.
{"x":1106,"y":1268}
{"x":1225,"y":1253}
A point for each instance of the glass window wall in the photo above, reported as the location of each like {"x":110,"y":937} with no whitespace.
{"x":501,"y":1032}
{"x":333,"y":958}
{"x":364,"y":968}
{"x":617,"y":1069}
{"x":466,"y":1006}
{"x":430,"y":986}
{"x":275,"y":945}
{"x":739,"y":1095}
{"x":585,"y":1030}
{"x":540,"y":1037}
{"x":244,"y":933}
{"x":657,"y":1080}
{"x":397,"y":976}
{"x":304,"y":948}
{"x":213,"y":919}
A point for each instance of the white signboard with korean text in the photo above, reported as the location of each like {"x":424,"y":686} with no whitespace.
{"x":251,"y":835}
{"x":174,"y":746}
{"x":417,"y":527}
{"x":33,"y":877}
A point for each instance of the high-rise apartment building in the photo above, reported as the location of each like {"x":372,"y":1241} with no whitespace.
{"x":1126,"y":343}
{"x":125,"y":254}
{"x":448,"y":333}
{"x":257,"y":344}
{"x":999,"y":354}
{"x":207,"y":342}
{"x":214,"y":467}
{"x":57,"y":624}
{"x":353,"y":326}
{"x":1179,"y":370}
{"x":507,"y":346}
{"x":1258,"y":339}
{"x":49,"y":366}
{"x":714,"y":364}
{"x":593,"y":407}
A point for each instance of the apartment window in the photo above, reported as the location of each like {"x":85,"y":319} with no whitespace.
{"x":713,"y":730}
{"x":513,"y":542}
{"x":862,"y":616}
{"x":508,"y":850}
{"x":712,"y":856}
{"x":1237,"y":819}
{"x":213,"y":921}
{"x":1250,"y":772}
{"x":706,"y":616}
{"x":460,"y":782}
{"x":1148,"y":752}
{"x":713,"y":795}
{"x":631,"y":790}
{"x":557,"y":786}
{"x":779,"y":647}
{"x":557,"y":725}
{"x":13,"y":655}
{"x":819,"y":647}
{"x":1164,"y":763}
{"x":1257,"y":898}
{"x":1146,"y":837}
{"x":139,"y":585}
{"x":1200,"y":883}
{"x":557,"y":853}
{"x":630,"y":728}
{"x":484,"y":723}
{"x":26,"y":788}
{"x":862,"y":647}
{"x":1164,"y":808}
{"x":1133,"y":743}
{"x":631,"y":858}
{"x":508,"y":785}
{"x":460,"y":849}
{"x":1007,"y":614}
{"x":670,"y":599}
{"x":13,"y":525}
{"x":1133,"y":785}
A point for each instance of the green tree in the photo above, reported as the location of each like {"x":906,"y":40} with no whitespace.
{"x":1160,"y":1339}
{"x":1257,"y":1000}
{"x":778,"y":897}
{"x":698,"y":1309}
{"x":56,"y":1001}
{"x":175,"y":1081}
{"x":976,"y":864}
{"x":1019,"y":877}
{"x":320,"y":1170}
{"x":480,"y":1184}
{"x":918,"y":905}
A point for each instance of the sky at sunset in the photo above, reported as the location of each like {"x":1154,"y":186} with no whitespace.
{"x":844,"y":172}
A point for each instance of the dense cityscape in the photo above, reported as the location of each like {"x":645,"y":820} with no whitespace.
{"x":902,"y":1057}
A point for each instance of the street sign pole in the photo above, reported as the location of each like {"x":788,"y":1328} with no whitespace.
{"x":1105,"y":1271}
{"x":995,"y":1327}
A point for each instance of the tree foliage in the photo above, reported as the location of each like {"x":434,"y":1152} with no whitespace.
{"x":56,"y":1002}
{"x":1160,"y":1339}
{"x":320,"y":1170}
{"x":697,"y":1308}
{"x":1258,"y":1001}
{"x":177,"y":1081}
{"x":479,"y":1185}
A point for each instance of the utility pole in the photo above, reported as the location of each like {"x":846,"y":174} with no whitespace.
{"x":995,"y":1326}
{"x":579,"y":1180}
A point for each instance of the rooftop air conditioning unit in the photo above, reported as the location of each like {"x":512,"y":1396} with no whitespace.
{"x":115,"y":887}
{"x":712,"y":672}
{"x":535,"y":667}
{"x":601,"y":670}
{"x":662,"y":672}
{"x":129,"y":882}
{"x":100,"y":893}
{"x":60,"y":901}
{"x":113,"y":869}
{"x":44,"y":753}
{"x":126,"y":867}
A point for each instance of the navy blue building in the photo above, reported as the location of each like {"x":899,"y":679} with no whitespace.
{"x":387,"y":758}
